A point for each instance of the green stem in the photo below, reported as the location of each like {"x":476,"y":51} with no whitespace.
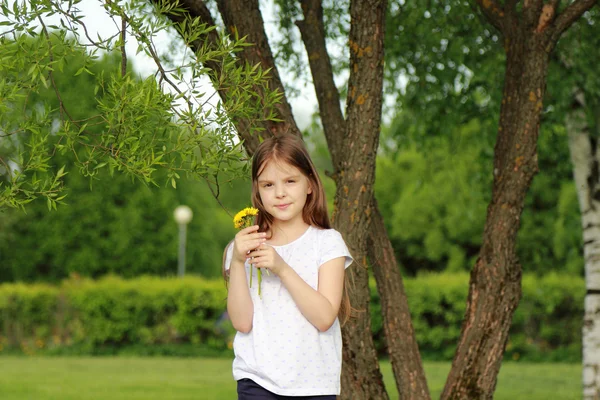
{"x":259,"y":272}
{"x":251,"y":275}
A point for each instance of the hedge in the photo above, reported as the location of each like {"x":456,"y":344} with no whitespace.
{"x":113,"y":313}
{"x":185,"y":316}
{"x":546,"y":325}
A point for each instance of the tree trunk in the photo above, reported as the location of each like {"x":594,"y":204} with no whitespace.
{"x":402,"y":344}
{"x":355,"y":176}
{"x":529,"y":36}
{"x":243,"y":18}
{"x":495,"y":281}
{"x":355,"y":143}
{"x":495,"y":284}
{"x":586,"y":161}
{"x":400,"y":335}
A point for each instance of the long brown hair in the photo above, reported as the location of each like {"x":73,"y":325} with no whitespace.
{"x":290,"y":149}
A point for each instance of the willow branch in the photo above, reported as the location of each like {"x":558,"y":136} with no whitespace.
{"x":123,"y":51}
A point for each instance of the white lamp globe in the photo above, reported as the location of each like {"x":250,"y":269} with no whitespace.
{"x":183,"y":215}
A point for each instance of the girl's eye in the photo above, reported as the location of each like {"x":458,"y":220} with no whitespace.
{"x":291,"y":181}
{"x":267,"y":185}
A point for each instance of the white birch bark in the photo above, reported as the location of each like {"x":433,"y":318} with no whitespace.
{"x":585,"y":157}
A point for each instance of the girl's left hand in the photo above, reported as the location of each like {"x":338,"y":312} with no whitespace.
{"x":265,"y":256}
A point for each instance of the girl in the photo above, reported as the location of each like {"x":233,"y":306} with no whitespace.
{"x":289,"y":342}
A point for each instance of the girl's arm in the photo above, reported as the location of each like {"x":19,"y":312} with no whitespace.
{"x":239,"y":303}
{"x":320,"y":307}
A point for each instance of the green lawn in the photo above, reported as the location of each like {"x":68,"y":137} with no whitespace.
{"x":114,"y":378}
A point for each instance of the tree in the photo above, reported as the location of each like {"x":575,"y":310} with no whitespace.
{"x":194,"y":138}
{"x":581,"y":101}
{"x":436,"y":75}
{"x":352,"y":143}
{"x":123,"y":226}
{"x":353,"y":140}
{"x":529,"y":37}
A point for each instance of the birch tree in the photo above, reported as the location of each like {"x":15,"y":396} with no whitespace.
{"x":582,"y":121}
{"x":585,"y":158}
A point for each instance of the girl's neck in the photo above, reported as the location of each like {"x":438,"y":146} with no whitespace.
{"x":282,"y":233}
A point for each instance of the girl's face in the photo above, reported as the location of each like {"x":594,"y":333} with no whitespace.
{"x":283,"y":189}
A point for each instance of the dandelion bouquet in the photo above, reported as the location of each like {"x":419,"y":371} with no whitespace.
{"x":245,"y":219}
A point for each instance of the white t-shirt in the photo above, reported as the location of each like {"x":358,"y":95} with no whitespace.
{"x":284,"y":353}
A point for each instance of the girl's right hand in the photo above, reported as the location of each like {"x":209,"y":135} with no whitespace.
{"x":247,"y":240}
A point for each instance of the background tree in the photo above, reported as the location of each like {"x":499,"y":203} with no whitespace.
{"x":580,"y":102}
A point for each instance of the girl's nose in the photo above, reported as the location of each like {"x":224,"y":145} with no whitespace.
{"x":280,"y":192}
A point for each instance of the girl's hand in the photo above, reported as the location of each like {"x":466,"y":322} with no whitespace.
{"x":247,"y":240}
{"x":265,"y":256}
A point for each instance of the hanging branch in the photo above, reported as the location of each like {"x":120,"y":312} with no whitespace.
{"x":123,"y":51}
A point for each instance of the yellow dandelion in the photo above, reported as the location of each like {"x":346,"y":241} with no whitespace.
{"x":244,"y":218}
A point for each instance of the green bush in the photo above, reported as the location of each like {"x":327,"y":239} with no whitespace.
{"x":172,"y":316}
{"x":112,"y":313}
{"x":546,"y":325}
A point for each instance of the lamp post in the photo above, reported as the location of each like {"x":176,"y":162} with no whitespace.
{"x":183,"y":216}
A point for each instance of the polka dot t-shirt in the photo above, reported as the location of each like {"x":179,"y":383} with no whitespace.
{"x":284,"y":353}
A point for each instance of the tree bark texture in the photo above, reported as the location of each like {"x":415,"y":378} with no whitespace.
{"x":361,"y":378}
{"x":400,"y":335}
{"x":495,"y":283}
{"x":243,"y":18}
{"x":313,"y":36}
{"x":586,"y":172}
{"x":402,"y":344}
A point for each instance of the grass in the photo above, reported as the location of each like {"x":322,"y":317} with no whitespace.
{"x":115,"y":378}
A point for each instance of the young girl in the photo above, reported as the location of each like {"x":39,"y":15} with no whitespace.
{"x":289,"y":342}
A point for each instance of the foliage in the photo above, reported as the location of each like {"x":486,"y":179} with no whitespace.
{"x":122,"y":226}
{"x":546,"y":325}
{"x":148,"y":315}
{"x":144,"y":125}
{"x":434,"y":200}
{"x":433,"y":194}
{"x":113,"y":312}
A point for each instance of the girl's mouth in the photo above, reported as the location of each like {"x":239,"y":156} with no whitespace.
{"x":283,"y":206}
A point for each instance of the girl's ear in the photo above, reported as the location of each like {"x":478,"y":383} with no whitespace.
{"x":309,"y":187}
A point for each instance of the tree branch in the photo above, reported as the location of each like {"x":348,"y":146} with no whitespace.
{"x":511,"y":17}
{"x":313,"y":36}
{"x":566,"y":18}
{"x":366,"y":66}
{"x":123,"y":51}
{"x":250,"y":26}
{"x":493,"y":13}
{"x":61,"y":104}
{"x":245,"y":19}
{"x":531,"y":12}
